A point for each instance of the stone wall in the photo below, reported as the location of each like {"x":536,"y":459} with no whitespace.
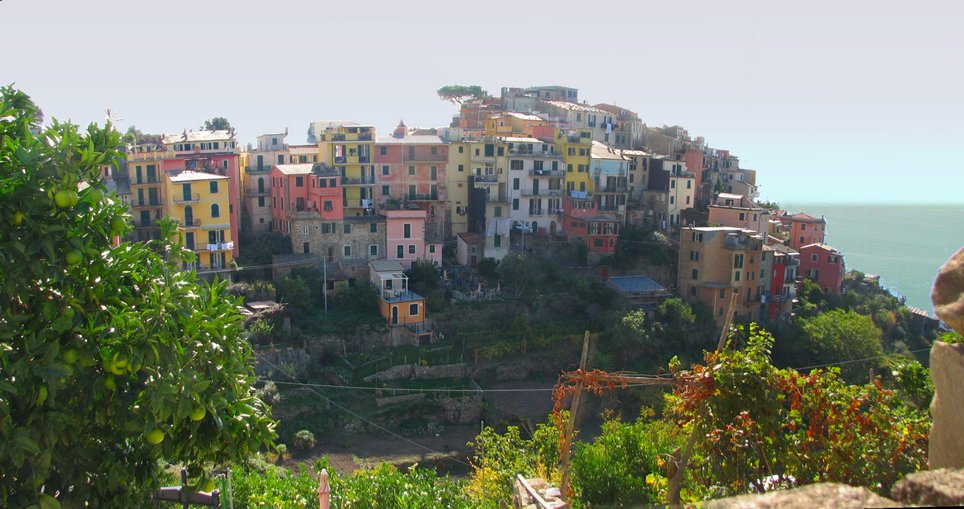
{"x":417,"y":372}
{"x":946,"y":446}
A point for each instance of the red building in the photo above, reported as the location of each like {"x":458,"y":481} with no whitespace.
{"x":581,"y":220}
{"x":311,"y":189}
{"x":804,"y":229}
{"x":783,"y":280}
{"x":824,"y":265}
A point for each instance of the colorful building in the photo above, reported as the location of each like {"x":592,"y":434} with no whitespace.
{"x":308,"y":191}
{"x":535,"y":184}
{"x":411,"y":171}
{"x":803,"y":229}
{"x":715,"y":262}
{"x":348,"y":147}
{"x":513,"y":124}
{"x":200,"y":203}
{"x":823,"y":265}
{"x":458,"y":170}
{"x":670,"y":190}
{"x":144,"y":164}
{"x":582,"y":222}
{"x":405,"y":238}
{"x":396,"y":302}
{"x":575,"y":145}
{"x":610,"y":174}
{"x":469,"y":249}
{"x":783,"y":283}
{"x":739,"y":211}
{"x":257,"y":162}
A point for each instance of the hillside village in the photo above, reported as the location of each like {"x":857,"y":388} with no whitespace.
{"x":535,"y":163}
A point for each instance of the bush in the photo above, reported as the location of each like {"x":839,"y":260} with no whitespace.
{"x":303,"y":440}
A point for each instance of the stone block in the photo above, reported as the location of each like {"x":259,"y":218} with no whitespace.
{"x":946,"y":441}
{"x":942,"y":487}
{"x":825,"y":495}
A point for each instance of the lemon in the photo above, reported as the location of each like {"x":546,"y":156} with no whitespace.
{"x":156,"y":436}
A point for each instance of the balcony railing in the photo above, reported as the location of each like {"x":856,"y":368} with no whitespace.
{"x":357,"y":181}
{"x":534,"y":153}
{"x":148,"y":180}
{"x":189,"y":223}
{"x":187,"y":199}
{"x":487,"y":179}
{"x":221,"y":246}
{"x":619,"y":188}
{"x":398,"y":296}
{"x":537,"y":212}
{"x":255,"y":192}
{"x":547,"y":173}
{"x":426,"y":158}
{"x":423,"y":197}
{"x":542,"y":192}
{"x":149,"y":203}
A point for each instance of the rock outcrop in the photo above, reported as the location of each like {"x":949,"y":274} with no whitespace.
{"x":825,"y":495}
{"x":934,"y":488}
{"x":946,"y":449}
{"x":948,"y":292}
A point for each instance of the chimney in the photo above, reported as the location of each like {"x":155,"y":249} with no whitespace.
{"x":401,"y":130}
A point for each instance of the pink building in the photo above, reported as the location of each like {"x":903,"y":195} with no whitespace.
{"x":405,"y":238}
{"x":824,"y":265}
{"x":739,"y":211}
{"x":804,"y":229}
{"x":411,"y":168}
{"x":304,"y":191}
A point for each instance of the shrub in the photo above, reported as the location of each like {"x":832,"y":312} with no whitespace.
{"x":303,"y":440}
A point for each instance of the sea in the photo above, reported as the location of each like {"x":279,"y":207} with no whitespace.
{"x":903,"y":244}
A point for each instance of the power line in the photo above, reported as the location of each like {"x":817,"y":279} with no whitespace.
{"x":851,"y":361}
{"x":405,"y":389}
{"x":353,"y":414}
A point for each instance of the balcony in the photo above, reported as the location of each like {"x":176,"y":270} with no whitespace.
{"x":425,"y":158}
{"x":357,"y":181}
{"x":542,"y":192}
{"x":487,"y":179}
{"x":547,"y":173}
{"x":400,"y":296}
{"x":618,"y":188}
{"x":255,"y":192}
{"x":221,"y":246}
{"x":422,"y":197}
{"x":148,"y":180}
{"x":149,"y":203}
{"x":537,"y":212}
{"x":189,"y":223}
{"x":187,"y":199}
{"x":265,"y":168}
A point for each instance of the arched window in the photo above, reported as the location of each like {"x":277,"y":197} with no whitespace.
{"x":215,"y":210}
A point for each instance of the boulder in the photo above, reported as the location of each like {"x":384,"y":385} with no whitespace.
{"x":825,"y":495}
{"x":942,"y":487}
{"x":946,"y":447}
{"x":948,"y":292}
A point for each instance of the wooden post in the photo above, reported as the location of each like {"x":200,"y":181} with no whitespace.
{"x":676,"y":467}
{"x":571,"y":426}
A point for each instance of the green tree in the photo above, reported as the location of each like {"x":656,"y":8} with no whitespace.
{"x":423,"y":277}
{"x":294,"y":292}
{"x":837,"y":336}
{"x":110,"y":358}
{"x":260,"y":247}
{"x":459,"y":94}
{"x":132,"y":135}
{"x":216,"y":124}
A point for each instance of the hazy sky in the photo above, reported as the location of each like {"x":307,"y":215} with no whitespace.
{"x":851,"y":101}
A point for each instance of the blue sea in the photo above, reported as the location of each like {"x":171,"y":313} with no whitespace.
{"x":904,"y":244}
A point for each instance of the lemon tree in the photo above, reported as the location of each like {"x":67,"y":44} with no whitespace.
{"x":110,"y":358}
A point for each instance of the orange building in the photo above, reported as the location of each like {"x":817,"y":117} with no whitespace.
{"x":715,"y":262}
{"x":398,"y":304}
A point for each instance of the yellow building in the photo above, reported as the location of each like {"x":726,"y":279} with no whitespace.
{"x":513,"y":124}
{"x":200,"y":203}
{"x":459,"y":168}
{"x":575,"y":145}
{"x":144,"y":164}
{"x":348,"y":147}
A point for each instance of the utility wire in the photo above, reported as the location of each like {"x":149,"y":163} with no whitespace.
{"x":353,"y":414}
{"x":851,"y":361}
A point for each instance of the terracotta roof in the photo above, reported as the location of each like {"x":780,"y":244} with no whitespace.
{"x":470,"y":238}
